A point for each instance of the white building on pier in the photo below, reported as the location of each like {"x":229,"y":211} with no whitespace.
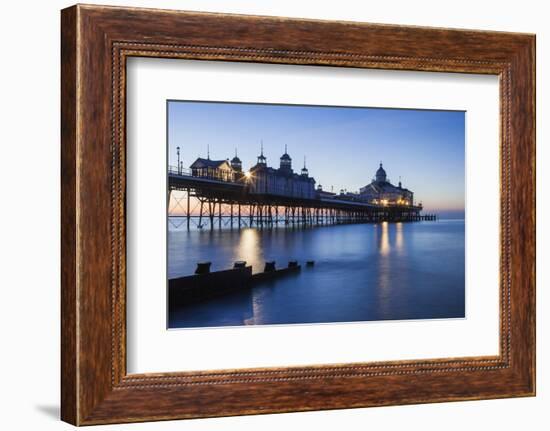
{"x":382,"y":191}
{"x":284,"y":181}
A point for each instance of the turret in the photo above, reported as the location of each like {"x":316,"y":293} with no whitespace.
{"x":305,"y":172}
{"x":236,"y":163}
{"x":286,"y":163}
{"x":261,"y":158}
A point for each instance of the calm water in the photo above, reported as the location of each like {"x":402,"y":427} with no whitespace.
{"x":388,"y":271}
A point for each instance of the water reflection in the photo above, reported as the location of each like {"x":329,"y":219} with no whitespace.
{"x":399,"y":238}
{"x":362,"y":272}
{"x":384,"y":267}
{"x":249,"y":248}
{"x":384,"y":239}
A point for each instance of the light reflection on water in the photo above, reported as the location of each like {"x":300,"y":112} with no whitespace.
{"x":362,"y":272}
{"x":249,"y":248}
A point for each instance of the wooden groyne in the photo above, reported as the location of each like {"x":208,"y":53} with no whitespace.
{"x":205,"y":285}
{"x":199,"y":287}
{"x":271,"y":273}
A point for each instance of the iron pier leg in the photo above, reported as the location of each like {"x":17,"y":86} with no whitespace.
{"x":211,"y":213}
{"x":188,"y":209}
{"x":200,"y":214}
{"x":251,"y":214}
{"x":219,"y":214}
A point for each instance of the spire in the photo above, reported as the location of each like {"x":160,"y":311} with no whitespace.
{"x":261,"y":158}
{"x":304,"y":169}
{"x":399,"y":181}
{"x":208,"y":151}
{"x":235,"y":151}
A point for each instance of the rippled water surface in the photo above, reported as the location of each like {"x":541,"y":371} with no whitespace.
{"x":362,"y":272}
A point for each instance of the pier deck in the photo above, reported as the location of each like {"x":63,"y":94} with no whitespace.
{"x":232,"y":204}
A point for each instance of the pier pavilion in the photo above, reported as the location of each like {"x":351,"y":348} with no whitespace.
{"x":282,"y":181}
{"x":382,"y":191}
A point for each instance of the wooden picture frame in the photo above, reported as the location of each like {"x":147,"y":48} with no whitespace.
{"x":95,"y":42}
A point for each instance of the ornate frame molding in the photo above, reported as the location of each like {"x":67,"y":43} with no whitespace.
{"x":96,"y":41}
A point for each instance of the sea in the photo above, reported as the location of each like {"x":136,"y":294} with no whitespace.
{"x":362,"y":272}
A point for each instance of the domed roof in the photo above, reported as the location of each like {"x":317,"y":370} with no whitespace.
{"x":381,"y":174}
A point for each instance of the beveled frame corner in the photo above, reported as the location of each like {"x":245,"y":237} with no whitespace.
{"x":96,"y":42}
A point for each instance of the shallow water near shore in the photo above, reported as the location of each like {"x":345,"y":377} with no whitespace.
{"x":362,"y":272}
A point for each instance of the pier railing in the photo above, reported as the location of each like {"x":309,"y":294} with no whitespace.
{"x":179,"y":171}
{"x":187,"y":172}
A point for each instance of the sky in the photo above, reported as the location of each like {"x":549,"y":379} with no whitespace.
{"x":343,"y":146}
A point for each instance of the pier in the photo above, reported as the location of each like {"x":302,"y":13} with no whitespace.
{"x":229,"y":202}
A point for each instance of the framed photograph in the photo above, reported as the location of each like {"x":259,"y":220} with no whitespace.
{"x":264,"y":214}
{"x":247,"y":243}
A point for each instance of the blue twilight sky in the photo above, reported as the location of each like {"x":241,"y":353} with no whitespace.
{"x":343,"y":146}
